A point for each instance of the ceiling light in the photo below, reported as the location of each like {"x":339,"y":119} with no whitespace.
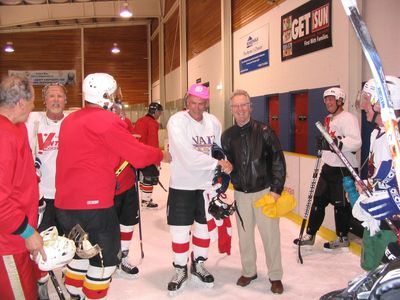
{"x":125,"y":11}
{"x":115,"y":49}
{"x":9,"y":47}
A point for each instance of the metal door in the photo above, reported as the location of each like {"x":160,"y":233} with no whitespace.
{"x":301,"y":123}
{"x":273,"y":116}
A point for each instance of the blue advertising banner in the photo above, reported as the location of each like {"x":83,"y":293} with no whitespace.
{"x":254,"y":62}
{"x":306,"y":29}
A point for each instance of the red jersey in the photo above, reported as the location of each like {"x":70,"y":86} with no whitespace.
{"x":92,"y":141}
{"x":127,"y":178}
{"x":148,"y":127}
{"x":19,"y":192}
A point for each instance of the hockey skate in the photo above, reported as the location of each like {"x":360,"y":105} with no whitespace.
{"x":149,"y":204}
{"x":200,"y":272}
{"x":179,"y":280}
{"x":341,"y":243}
{"x":125,"y":269}
{"x":43,"y":292}
{"x":307,"y":241}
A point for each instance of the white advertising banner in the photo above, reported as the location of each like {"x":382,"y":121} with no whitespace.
{"x":43,"y":77}
{"x":254,"y":50}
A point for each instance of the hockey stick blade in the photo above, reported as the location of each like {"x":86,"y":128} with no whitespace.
{"x":371,"y":54}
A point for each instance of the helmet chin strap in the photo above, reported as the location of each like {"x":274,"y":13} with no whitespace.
{"x":337,"y":106}
{"x":375,"y":115}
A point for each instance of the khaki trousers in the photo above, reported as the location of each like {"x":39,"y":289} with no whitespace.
{"x":269,"y":232}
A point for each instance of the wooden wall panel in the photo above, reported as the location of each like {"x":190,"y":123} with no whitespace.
{"x":203,"y":25}
{"x":171,"y":43}
{"x":245,"y":11}
{"x":45,"y":50}
{"x":154,"y":25}
{"x":168,"y":5}
{"x":129,"y":67}
{"x":155,"y":62}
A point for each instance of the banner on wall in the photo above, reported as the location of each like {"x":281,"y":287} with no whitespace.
{"x":43,"y":77}
{"x":306,"y":29}
{"x":254,"y":50}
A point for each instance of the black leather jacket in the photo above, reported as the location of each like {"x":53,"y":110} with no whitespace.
{"x":257,"y":158}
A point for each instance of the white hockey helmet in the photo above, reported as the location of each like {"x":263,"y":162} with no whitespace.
{"x":59,"y":250}
{"x":393,"y":84}
{"x":99,"y":88}
{"x":337,"y":92}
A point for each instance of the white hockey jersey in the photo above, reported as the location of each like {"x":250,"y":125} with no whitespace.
{"x":43,"y":139}
{"x":345,"y":128}
{"x":190,"y":141}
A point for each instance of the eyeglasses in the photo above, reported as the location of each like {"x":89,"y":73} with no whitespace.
{"x":243,"y":105}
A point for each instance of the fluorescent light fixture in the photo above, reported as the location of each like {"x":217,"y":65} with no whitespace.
{"x":125,"y":11}
{"x":115,"y":49}
{"x":9,"y":47}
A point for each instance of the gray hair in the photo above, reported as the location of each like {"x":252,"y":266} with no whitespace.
{"x":239,"y":93}
{"x":14,"y":88}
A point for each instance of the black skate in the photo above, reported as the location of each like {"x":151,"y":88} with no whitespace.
{"x":43,"y":291}
{"x":179,"y":280}
{"x":341,"y":243}
{"x":125,"y":269}
{"x":149,"y":204}
{"x":307,"y":241}
{"x":199,"y":270}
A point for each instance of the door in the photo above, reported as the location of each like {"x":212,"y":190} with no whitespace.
{"x":273,"y":116}
{"x":301,"y":123}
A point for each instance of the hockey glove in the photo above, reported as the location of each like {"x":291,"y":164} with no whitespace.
{"x":382,"y":204}
{"x":362,"y":215}
{"x":220,"y":181}
{"x":386,"y":175}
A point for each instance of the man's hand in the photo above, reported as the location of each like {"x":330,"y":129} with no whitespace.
{"x":274,"y":195}
{"x":34,"y":244}
{"x":226,"y":166}
{"x":167,"y":158}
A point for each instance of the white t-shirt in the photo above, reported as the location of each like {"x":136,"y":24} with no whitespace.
{"x":43,"y":139}
{"x":345,"y":128}
{"x":190,"y":141}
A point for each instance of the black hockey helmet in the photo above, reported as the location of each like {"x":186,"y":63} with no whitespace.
{"x":154,"y":107}
{"x":219,"y":209}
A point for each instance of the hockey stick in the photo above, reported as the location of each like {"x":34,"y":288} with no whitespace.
{"x":387,"y":111}
{"x":140,"y":216}
{"x":309,"y":201}
{"x":56,"y":285}
{"x":357,"y":178}
{"x":343,"y":158}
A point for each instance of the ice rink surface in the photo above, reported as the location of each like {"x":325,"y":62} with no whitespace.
{"x":321,"y":272}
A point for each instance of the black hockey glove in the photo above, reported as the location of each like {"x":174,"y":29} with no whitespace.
{"x":321,"y":143}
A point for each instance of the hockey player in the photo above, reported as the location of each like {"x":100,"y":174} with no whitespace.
{"x":191,"y":135}
{"x":126,"y":203}
{"x":147,"y":127}
{"x":344,"y":129}
{"x":18,"y":193}
{"x":43,"y":130}
{"x":91,"y":143}
{"x":380,"y":176}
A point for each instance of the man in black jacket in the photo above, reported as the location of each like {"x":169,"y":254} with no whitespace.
{"x":259,"y":168}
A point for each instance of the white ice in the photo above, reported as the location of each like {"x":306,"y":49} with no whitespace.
{"x":321,"y":272}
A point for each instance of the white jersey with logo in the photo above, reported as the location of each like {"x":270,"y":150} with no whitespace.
{"x":190,"y":141}
{"x":346,"y":129}
{"x":43,"y":139}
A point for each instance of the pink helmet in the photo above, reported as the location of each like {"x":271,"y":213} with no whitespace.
{"x":199,"y":90}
